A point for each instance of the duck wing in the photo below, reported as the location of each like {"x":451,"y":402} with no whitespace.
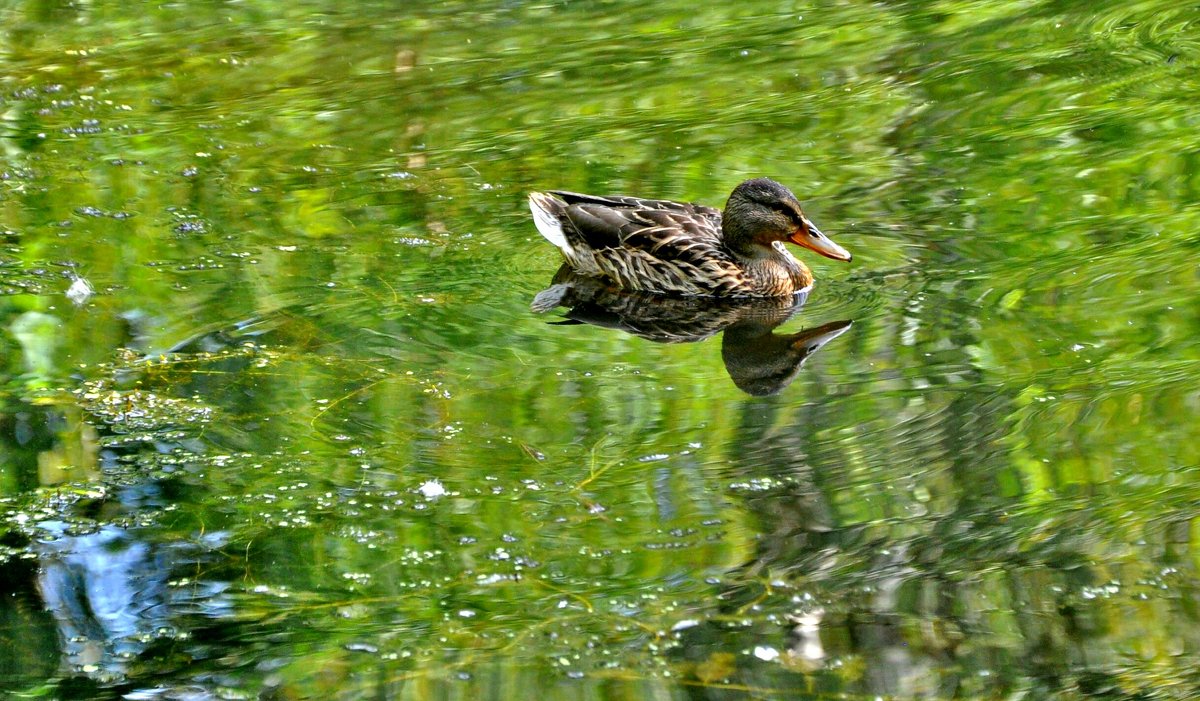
{"x":649,"y":245}
{"x":642,"y":204}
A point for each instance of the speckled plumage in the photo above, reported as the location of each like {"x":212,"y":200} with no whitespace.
{"x":679,"y":248}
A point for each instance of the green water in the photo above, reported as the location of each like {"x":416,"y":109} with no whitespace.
{"x":306,"y":439}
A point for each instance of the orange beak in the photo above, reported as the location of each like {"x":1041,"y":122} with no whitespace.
{"x":809,"y":236}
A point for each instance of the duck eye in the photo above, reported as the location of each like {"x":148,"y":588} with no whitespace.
{"x":788,"y":212}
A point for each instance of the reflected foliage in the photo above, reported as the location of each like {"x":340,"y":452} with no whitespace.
{"x":304,"y":439}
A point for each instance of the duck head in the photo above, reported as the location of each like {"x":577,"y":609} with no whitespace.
{"x":761,"y":212}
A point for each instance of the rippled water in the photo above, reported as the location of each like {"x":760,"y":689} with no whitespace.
{"x":278,"y":419}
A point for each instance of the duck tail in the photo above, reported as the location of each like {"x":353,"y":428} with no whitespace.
{"x":550,"y":297}
{"x":546,"y":209}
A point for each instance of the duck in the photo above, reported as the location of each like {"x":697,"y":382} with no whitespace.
{"x":686,"y":249}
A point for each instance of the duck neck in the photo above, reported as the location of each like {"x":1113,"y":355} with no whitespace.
{"x":774,"y":268}
{"x":738,"y":237}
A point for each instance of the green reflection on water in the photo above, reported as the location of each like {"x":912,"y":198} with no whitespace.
{"x":306,"y":438}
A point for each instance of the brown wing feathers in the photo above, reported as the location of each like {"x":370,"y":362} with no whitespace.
{"x":649,"y":244}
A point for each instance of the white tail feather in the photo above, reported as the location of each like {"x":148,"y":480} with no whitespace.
{"x":547,"y":224}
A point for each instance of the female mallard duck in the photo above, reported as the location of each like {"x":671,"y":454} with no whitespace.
{"x":686,"y":249}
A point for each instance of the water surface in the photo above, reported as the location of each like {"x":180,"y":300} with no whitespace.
{"x":277,"y":418}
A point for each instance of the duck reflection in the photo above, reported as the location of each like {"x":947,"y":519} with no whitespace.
{"x":759,"y":361}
